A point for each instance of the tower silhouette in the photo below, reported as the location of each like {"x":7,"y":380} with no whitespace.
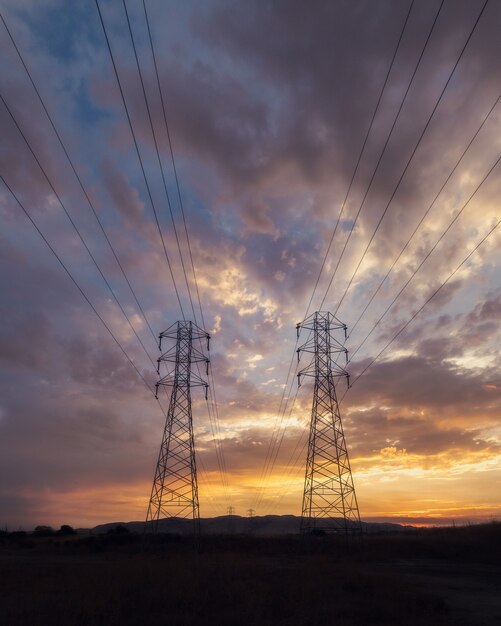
{"x":175,"y":487}
{"x":329,"y":499}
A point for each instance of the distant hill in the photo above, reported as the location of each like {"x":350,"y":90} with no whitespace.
{"x":266,"y":525}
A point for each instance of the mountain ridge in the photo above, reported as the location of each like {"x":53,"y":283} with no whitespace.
{"x":236,"y":524}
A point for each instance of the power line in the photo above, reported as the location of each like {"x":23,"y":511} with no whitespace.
{"x":384,"y":147}
{"x":433,"y":295}
{"x":452,"y":222}
{"x":139,"y":157}
{"x":204,"y":473}
{"x":89,"y":201}
{"x":382,"y":152}
{"x":291,"y":462}
{"x":181,"y":205}
{"x":162,"y":173}
{"x":465,"y":260}
{"x":217,"y":440}
{"x":380,"y":158}
{"x":282,"y":435}
{"x":85,"y":191}
{"x":432,"y":204}
{"x":152,"y":128}
{"x":75,"y":227}
{"x":214,"y":417}
{"x":291,"y":466}
{"x":409,"y":161}
{"x":61,"y":262}
{"x":84,"y":295}
{"x":361,"y":152}
{"x":362,"y":149}
{"x":173,"y":160}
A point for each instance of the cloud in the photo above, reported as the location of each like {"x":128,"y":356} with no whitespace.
{"x":125,"y":198}
{"x":268,"y":108}
{"x":256,"y":218}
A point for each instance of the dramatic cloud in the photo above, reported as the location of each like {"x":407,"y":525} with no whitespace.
{"x":268,"y":106}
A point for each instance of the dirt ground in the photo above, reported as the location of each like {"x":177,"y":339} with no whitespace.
{"x":472,"y":591}
{"x":444,"y":577}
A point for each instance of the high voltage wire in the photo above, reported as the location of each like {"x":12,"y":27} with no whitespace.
{"x":292,"y":468}
{"x":75,"y":227}
{"x":407,"y":283}
{"x":425,"y":215}
{"x":361,"y":152}
{"x":86,"y":196}
{"x":115,"y":70}
{"x":162,"y":173}
{"x":445,"y":87}
{"x":273,"y":455}
{"x":465,"y":260}
{"x":412,"y":154}
{"x":452,"y":222}
{"x":82,"y":292}
{"x":169,"y":204}
{"x":139,"y":156}
{"x":218,"y":443}
{"x":84,"y":191}
{"x":408,"y":161}
{"x":273,"y":442}
{"x":203,"y":471}
{"x":86,"y":298}
{"x":362,"y":149}
{"x":181,"y":205}
{"x":293,"y":459}
{"x":212,"y":391}
{"x":89,"y":201}
{"x":70,"y":161}
{"x":383,"y":151}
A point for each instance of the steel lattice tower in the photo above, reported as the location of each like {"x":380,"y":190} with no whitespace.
{"x":329,"y":499}
{"x":175,"y":488}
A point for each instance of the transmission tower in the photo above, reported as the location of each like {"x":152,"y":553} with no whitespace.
{"x":251,"y":518}
{"x":231,"y":520}
{"x":329,"y":499}
{"x":175,"y":488}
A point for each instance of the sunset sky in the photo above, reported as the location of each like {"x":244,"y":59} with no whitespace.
{"x":268,"y":105}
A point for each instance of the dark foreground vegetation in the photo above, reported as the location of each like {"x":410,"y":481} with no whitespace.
{"x":446,"y":576}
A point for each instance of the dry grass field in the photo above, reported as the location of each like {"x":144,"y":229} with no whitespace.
{"x":428,"y":577}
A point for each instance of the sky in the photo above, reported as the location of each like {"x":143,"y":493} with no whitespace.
{"x":269,"y":106}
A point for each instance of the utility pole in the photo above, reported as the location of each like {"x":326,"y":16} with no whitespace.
{"x":329,"y":499}
{"x":175,"y":489}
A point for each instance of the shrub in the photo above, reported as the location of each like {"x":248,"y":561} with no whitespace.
{"x":43,"y":531}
